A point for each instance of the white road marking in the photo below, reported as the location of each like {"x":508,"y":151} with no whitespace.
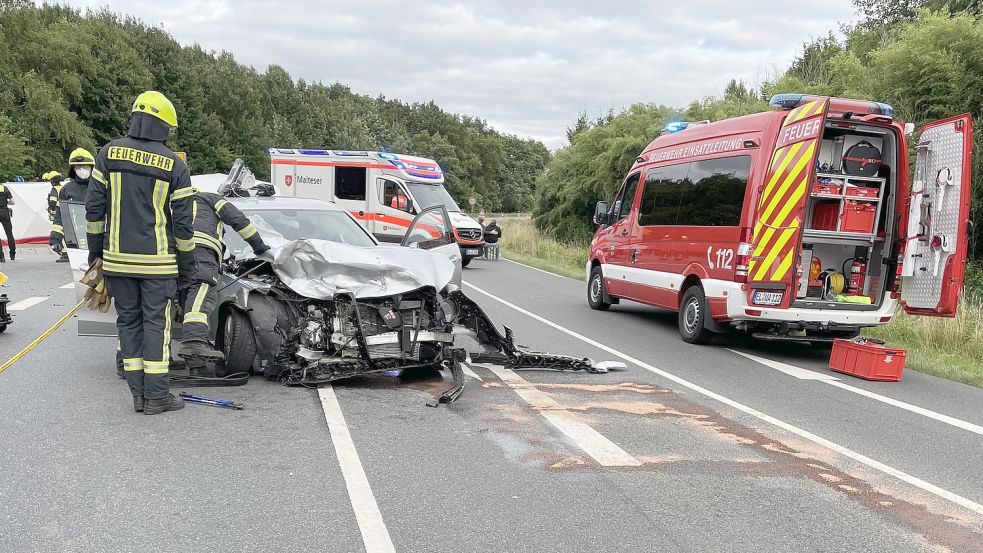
{"x":375,"y":535}
{"x":471,"y":373}
{"x":26,"y":303}
{"x":805,"y":374}
{"x":540,"y":270}
{"x":68,"y":286}
{"x":876,"y":465}
{"x":601,"y":449}
{"x":791,"y":370}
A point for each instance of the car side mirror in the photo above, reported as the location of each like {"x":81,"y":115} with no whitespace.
{"x":601,"y":213}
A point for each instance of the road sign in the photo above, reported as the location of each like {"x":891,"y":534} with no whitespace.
{"x":472,"y":201}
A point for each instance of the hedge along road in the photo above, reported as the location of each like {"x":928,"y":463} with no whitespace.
{"x":524,"y":461}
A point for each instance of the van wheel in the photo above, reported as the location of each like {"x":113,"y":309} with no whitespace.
{"x":692,"y":315}
{"x":596,"y":290}
{"x":238,"y":345}
{"x":465,"y":261}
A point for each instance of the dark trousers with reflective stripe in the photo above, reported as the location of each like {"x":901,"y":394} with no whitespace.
{"x":201,"y":296}
{"x":8,"y":229}
{"x":145,"y":313}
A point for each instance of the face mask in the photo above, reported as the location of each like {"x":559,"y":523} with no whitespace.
{"x":83,"y":173}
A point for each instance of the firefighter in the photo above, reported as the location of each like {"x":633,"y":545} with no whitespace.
{"x":139,"y":223}
{"x":55,"y":178}
{"x":80,"y":163}
{"x":7,"y":200}
{"x":211,"y":211}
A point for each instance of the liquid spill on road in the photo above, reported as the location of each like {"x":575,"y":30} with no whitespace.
{"x":780,"y":460}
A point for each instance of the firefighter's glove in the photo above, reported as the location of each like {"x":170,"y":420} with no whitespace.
{"x":55,"y":242}
{"x":97,"y":294}
{"x":261,"y":250}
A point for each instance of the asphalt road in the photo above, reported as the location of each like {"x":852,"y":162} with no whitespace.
{"x":691,"y":448}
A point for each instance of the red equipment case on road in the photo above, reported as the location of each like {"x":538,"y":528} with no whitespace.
{"x":867,"y":360}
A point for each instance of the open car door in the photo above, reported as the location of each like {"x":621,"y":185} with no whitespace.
{"x":780,"y":213}
{"x":432,"y":230}
{"x":938,"y":227}
{"x":91,"y":322}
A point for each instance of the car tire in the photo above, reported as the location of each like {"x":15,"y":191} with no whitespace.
{"x":692,"y":317}
{"x":596,"y":290}
{"x":238,"y":344}
{"x":465,"y":261}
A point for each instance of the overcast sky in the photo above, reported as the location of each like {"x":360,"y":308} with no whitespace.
{"x":526,"y":67}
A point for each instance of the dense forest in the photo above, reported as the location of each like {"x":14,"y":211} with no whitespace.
{"x":924,"y":57}
{"x":70,"y":77}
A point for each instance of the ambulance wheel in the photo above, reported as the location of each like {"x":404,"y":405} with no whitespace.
{"x":238,"y":344}
{"x":596,"y":291}
{"x":692,"y":317}
{"x":465,"y":261}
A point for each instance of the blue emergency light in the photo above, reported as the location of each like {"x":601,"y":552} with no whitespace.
{"x":785,"y":100}
{"x":674,"y":127}
{"x":885,"y":109}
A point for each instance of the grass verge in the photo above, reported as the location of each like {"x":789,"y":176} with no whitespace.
{"x":948,"y":348}
{"x":524,"y":243}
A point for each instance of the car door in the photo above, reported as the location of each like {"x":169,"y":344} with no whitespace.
{"x":393,"y":213}
{"x":657,"y":234}
{"x":432,"y":230}
{"x":938,"y":223}
{"x":90,"y":322}
{"x":618,"y":237}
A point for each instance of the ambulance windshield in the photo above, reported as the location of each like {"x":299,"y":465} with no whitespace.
{"x":429,"y":195}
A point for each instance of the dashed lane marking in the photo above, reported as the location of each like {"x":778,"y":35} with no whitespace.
{"x":68,"y":286}
{"x":804,"y":374}
{"x":859,"y":457}
{"x":26,"y":303}
{"x":603,"y":450}
{"x":375,"y":535}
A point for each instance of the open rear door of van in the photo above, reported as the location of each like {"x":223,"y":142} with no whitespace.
{"x":780,"y":212}
{"x":938,"y":226}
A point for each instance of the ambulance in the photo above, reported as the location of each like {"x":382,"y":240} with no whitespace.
{"x":802,"y":223}
{"x":382,"y":190}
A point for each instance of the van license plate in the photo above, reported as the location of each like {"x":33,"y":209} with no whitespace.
{"x":472,"y":252}
{"x":767,"y":298}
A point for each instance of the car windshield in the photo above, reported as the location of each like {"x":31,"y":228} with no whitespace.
{"x":429,"y":195}
{"x":280,"y":226}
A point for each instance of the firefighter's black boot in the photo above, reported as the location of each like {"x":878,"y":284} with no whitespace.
{"x":138,"y":404}
{"x":197,"y":350}
{"x":156,"y":406}
{"x":63,"y":258}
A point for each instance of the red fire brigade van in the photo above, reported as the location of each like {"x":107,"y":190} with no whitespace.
{"x":793,"y":224}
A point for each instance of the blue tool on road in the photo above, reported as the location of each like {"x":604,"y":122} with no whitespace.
{"x":226,"y":403}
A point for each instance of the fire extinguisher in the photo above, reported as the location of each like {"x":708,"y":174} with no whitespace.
{"x":858,"y":272}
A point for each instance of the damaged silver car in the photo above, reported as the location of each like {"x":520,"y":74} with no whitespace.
{"x":330,"y":302}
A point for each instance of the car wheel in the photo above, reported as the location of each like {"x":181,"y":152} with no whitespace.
{"x":692,"y":316}
{"x":596,"y":290}
{"x":465,"y":261}
{"x":238,"y":345}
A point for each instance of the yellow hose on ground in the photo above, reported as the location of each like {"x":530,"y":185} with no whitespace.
{"x":41,"y":338}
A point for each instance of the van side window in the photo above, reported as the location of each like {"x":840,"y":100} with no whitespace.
{"x":349,"y":183}
{"x":661,"y":196}
{"x":392,"y":195}
{"x":715,"y":196}
{"x":623,"y":206}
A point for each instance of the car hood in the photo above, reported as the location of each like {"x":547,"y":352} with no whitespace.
{"x":320,"y":269}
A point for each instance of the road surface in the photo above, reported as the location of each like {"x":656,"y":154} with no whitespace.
{"x":736,"y":446}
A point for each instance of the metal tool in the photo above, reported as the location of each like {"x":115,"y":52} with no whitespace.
{"x":226,"y":403}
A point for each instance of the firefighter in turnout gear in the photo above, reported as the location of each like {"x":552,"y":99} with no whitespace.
{"x":55,"y":178}
{"x":210,"y":212}
{"x":139,"y":222}
{"x":80,"y":163}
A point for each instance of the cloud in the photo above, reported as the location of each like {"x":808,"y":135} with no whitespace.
{"x":528,"y":68}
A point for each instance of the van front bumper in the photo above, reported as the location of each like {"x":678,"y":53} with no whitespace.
{"x":471,"y":251}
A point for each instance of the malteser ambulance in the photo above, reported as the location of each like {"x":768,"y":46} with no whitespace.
{"x":801,"y":223}
{"x":383,"y":191}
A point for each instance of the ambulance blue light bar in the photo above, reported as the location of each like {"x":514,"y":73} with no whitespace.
{"x":785,"y":101}
{"x":885,"y":109}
